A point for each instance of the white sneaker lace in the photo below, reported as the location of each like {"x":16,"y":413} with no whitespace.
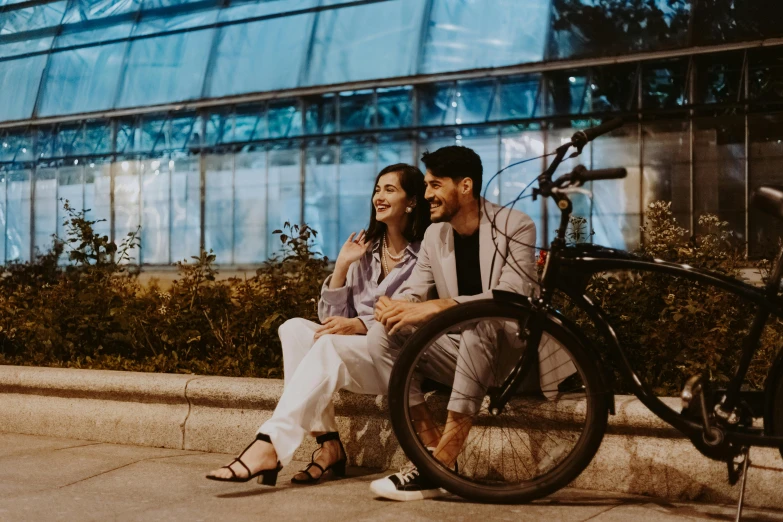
{"x":408,"y":473}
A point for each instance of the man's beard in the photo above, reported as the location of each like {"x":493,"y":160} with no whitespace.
{"x":448,"y":210}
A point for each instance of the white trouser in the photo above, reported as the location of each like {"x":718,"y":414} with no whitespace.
{"x":314,"y":370}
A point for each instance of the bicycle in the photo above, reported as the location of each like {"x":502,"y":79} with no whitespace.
{"x":558,"y":429}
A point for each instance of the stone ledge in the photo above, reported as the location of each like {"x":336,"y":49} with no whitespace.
{"x":640,"y":453}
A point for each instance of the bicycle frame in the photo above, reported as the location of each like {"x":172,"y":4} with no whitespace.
{"x":570,"y":268}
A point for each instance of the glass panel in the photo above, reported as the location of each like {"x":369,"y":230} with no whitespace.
{"x":18,"y":214}
{"x":321,"y":197}
{"x":69,"y":141}
{"x":186,"y":207}
{"x":219,"y":222}
{"x":155,"y":211}
{"x":82,"y":10}
{"x":127,"y":212}
{"x":484,"y":141}
{"x":320,"y":115}
{"x":70,"y":188}
{"x":721,"y":21}
{"x":395,"y":107}
{"x":614,"y":88}
{"x":284,"y":193}
{"x":250,"y":207}
{"x":152,"y":134}
{"x":26,"y":46}
{"x":437,"y":104}
{"x":219,"y":128}
{"x":3,"y":213}
{"x":19,"y":81}
{"x":666,"y":161}
{"x":285,"y":119}
{"x":166,"y":69}
{"x":766,"y":157}
{"x":239,"y":66}
{"x":98,"y":138}
{"x":518,"y":97}
{"x":394,"y":149}
{"x":766,"y":74}
{"x":357,"y":110}
{"x":31,"y":18}
{"x":458,"y":34}
{"x":568,"y":92}
{"x":80,"y":35}
{"x":126,"y":135}
{"x":516,"y":144}
{"x":45,"y":146}
{"x":250,"y":124}
{"x":719,"y":170}
{"x":97,"y":196}
{"x":616,"y":203}
{"x":589,"y":27}
{"x":475,"y":100}
{"x":263,"y":8}
{"x":356,"y":186}
{"x":45,"y":208}
{"x":349,"y":41}
{"x":82,"y":80}
{"x":719,"y":78}
{"x":157,"y":24}
{"x":664,"y":84}
{"x":185,"y":133}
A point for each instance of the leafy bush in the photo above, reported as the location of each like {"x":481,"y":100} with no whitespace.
{"x":674,"y":328}
{"x":93,"y":313}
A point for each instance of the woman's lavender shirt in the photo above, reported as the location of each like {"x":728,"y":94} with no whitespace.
{"x":361,"y":291}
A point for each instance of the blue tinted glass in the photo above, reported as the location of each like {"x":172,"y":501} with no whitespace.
{"x":152,"y":134}
{"x":243,"y":10}
{"x":127,"y":200}
{"x":186,"y":207}
{"x":45,"y":208}
{"x":239,"y":65}
{"x":321,"y":197}
{"x":166,"y":69}
{"x":157,"y":24}
{"x":80,"y":36}
{"x":26,"y":46}
{"x":285,"y":119}
{"x":475,"y":100}
{"x":36,"y":17}
{"x":19,"y":81}
{"x":82,"y":10}
{"x":395,"y":107}
{"x":155,"y":211}
{"x":437,"y":104}
{"x":82,"y":80}
{"x":18,"y":214}
{"x":569,"y":92}
{"x":518,"y":98}
{"x":663,"y":84}
{"x":218,"y":222}
{"x":356,"y":185}
{"x":70,"y":187}
{"x":357,"y":110}
{"x":98,"y":137}
{"x":284,"y":194}
{"x":614,"y":87}
{"x":250,"y":207}
{"x":250,"y":124}
{"x":185,"y":133}
{"x":320,"y":116}
{"x":388,"y":29}
{"x":219,"y":127}
{"x":465,"y":34}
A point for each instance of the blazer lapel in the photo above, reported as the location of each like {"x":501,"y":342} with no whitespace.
{"x":449,"y":262}
{"x":487,"y":247}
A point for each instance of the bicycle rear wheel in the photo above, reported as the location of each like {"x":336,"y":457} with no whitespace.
{"x":538,"y":443}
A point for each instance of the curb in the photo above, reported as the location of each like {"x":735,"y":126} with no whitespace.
{"x":640,"y":454}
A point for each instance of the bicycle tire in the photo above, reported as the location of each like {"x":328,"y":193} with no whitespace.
{"x":558,"y":477}
{"x":777,"y":408}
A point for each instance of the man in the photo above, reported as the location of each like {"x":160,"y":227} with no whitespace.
{"x":460,"y":260}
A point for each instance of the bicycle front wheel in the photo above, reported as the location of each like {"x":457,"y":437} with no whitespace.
{"x":543,"y":437}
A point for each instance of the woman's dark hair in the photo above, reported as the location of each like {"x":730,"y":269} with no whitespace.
{"x":412,"y":182}
{"x":455,"y":162}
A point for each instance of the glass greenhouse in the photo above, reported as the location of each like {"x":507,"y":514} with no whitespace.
{"x":209,"y":123}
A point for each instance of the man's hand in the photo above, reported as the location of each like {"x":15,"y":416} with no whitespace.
{"x":341,"y":326}
{"x":399,"y":314}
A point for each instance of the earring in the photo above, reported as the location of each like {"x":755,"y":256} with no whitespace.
{"x":408,"y":210}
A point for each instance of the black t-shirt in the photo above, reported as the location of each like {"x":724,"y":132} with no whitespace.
{"x":466,"y":251}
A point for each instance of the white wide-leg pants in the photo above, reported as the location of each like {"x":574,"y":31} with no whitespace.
{"x":314,"y":370}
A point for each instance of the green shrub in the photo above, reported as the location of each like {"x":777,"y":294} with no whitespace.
{"x":674,"y":328}
{"x":93,"y":313}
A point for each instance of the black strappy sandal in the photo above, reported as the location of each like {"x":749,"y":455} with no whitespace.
{"x":267,"y":477}
{"x":338,"y":468}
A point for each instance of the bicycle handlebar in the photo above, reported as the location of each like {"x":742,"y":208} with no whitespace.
{"x":582,"y":137}
{"x":581,"y":175}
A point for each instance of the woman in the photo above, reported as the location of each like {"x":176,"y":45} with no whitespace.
{"x":319,"y":359}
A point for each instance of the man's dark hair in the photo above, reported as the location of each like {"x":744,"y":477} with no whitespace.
{"x":455,"y":162}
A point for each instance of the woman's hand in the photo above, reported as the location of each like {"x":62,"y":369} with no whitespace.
{"x":352,"y":250}
{"x":341,"y":326}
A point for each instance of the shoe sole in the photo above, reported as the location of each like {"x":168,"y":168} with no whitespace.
{"x":407,"y":496}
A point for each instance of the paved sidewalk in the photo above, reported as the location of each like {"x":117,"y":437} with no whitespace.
{"x":47,"y":479}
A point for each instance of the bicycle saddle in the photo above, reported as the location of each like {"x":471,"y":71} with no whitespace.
{"x":769,"y":199}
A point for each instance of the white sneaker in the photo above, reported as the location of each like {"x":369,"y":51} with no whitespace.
{"x":406,"y":485}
